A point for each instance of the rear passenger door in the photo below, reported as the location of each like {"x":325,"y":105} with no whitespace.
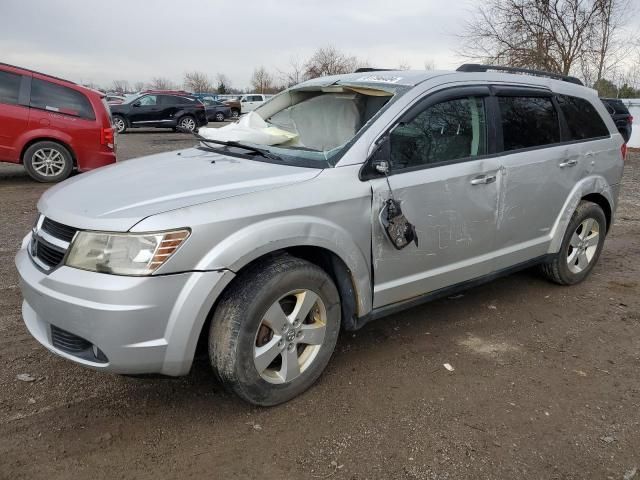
{"x":14,"y":113}
{"x":539,"y":171}
{"x":446,"y":181}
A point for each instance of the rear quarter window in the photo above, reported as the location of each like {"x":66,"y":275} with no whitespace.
{"x":528,"y":122}
{"x":583,"y":120}
{"x":9,"y":87}
{"x":56,"y":98}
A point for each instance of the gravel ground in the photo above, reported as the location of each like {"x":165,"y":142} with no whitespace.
{"x":546,"y":384}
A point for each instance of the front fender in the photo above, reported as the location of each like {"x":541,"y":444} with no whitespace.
{"x":248,"y":244}
{"x":589,"y":185}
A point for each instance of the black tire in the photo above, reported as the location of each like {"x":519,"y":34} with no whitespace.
{"x":235,"y":113}
{"x":559,"y":269}
{"x":120,"y":123}
{"x":219,"y":117}
{"x":188,"y":122}
{"x":238,"y":320}
{"x":35,"y":162}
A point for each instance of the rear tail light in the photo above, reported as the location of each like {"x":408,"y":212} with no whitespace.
{"x":106,"y":137}
{"x":623,"y":151}
{"x":630,"y":119}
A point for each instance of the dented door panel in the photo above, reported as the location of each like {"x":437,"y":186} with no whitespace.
{"x":454,"y":222}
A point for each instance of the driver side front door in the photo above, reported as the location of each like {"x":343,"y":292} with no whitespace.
{"x":447,"y":185}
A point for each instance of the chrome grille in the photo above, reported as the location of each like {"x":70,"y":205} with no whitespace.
{"x":50,"y":241}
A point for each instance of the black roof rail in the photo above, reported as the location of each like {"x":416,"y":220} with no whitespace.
{"x":476,"y":67}
{"x":35,"y":71}
{"x":371,"y":69}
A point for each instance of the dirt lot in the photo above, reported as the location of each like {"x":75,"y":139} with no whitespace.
{"x":546,"y":385}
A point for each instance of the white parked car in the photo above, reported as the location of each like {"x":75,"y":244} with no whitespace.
{"x":252,"y":101}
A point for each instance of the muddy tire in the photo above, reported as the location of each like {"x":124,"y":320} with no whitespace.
{"x":581,"y":246}
{"x":274,"y":330}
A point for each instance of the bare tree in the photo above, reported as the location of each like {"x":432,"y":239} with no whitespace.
{"x":262,"y":80}
{"x":330,"y":61}
{"x":120,"y":86}
{"x":138,"y":86}
{"x":429,"y":64}
{"x":161,"y":83}
{"x":294,"y":74}
{"x":404,"y":65}
{"x":197,"y":82}
{"x":552,"y":35}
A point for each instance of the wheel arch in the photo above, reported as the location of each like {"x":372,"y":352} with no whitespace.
{"x":35,"y":140}
{"x":594,"y":189}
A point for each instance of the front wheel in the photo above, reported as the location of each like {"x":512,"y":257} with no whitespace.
{"x":119,"y":123}
{"x":235,"y":113}
{"x":581,"y":246}
{"x":275,"y":330}
{"x":219,"y":117}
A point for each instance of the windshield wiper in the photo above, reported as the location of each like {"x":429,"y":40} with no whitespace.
{"x":260,"y":151}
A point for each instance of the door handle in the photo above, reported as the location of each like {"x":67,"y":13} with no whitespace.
{"x":483,"y":180}
{"x":569,"y":163}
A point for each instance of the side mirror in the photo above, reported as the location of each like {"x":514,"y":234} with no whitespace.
{"x":137,"y":104}
{"x":381,"y":166}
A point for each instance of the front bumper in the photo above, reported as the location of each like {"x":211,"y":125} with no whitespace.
{"x":140,"y":324}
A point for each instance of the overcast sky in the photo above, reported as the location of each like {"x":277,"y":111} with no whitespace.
{"x":136,"y":40}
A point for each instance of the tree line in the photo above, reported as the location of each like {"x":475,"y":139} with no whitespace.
{"x":589,"y":39}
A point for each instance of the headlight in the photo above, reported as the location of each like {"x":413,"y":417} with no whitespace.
{"x":124,"y":253}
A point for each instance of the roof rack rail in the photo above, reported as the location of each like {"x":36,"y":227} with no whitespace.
{"x":371,"y":69}
{"x":476,"y":67}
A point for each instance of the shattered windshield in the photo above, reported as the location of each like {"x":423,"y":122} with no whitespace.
{"x":309,"y":126}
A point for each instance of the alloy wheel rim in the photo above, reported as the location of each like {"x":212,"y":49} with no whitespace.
{"x":48,"y":162}
{"x":290,"y":336}
{"x":119,"y":124}
{"x":220,"y":117}
{"x":583,"y":245}
{"x":188,"y":123}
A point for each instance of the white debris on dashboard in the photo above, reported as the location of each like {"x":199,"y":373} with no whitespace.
{"x":251,"y":128}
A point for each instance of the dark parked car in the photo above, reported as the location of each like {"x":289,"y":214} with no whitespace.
{"x":621,"y":116}
{"x":216,"y":110}
{"x":52,"y":126}
{"x":159,"y":110}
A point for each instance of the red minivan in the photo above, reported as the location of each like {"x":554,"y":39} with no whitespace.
{"x":52,"y":126}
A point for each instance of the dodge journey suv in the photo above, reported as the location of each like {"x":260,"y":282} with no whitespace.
{"x":389,"y":189}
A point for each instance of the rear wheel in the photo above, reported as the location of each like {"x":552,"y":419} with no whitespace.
{"x":274,"y":330}
{"x":48,"y":162}
{"x":235,"y":113}
{"x":119,"y":123}
{"x":219,"y":117}
{"x":188,"y":123}
{"x":581,"y":246}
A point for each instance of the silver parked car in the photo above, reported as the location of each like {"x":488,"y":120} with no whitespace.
{"x":399,"y":187}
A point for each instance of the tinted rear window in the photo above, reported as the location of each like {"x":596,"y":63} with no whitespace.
{"x":528,"y":122}
{"x":616,"y":105}
{"x":583,"y":120}
{"x":56,"y":98}
{"x":9,"y":87}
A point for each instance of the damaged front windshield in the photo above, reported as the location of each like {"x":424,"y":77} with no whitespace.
{"x":307,"y":126}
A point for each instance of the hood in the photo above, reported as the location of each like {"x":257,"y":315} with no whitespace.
{"x":118,"y":196}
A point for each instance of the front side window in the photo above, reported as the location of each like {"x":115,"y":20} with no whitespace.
{"x":56,"y":98}
{"x":583,"y":120}
{"x":451,"y":130}
{"x":148,"y":101}
{"x":528,"y":122}
{"x":9,"y":87}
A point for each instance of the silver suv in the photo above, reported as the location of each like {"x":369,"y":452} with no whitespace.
{"x":394,"y":188}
